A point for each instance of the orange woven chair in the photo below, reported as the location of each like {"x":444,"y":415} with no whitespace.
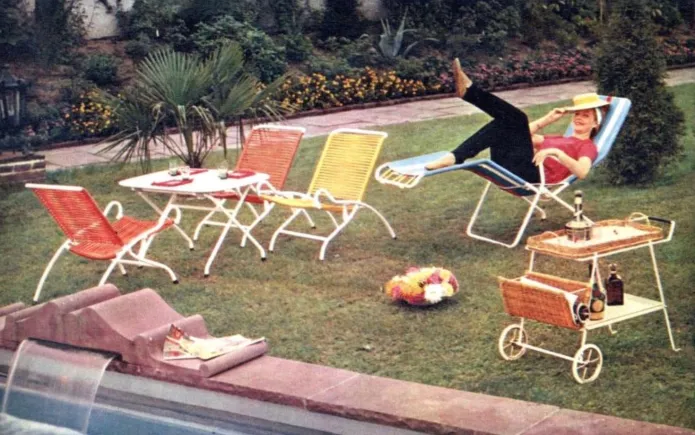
{"x":270,"y":149}
{"x":92,"y":236}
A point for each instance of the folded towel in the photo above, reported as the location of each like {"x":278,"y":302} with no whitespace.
{"x":241,"y":173}
{"x":171,"y":183}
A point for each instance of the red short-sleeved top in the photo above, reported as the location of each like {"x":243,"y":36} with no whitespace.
{"x":573,"y":147}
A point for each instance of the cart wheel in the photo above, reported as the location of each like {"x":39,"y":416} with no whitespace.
{"x":510,"y":340}
{"x":587,"y":363}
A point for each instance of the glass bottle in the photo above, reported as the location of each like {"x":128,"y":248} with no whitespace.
{"x":578,"y":206}
{"x":614,"y":287}
{"x":580,"y":312}
{"x":598,"y":302}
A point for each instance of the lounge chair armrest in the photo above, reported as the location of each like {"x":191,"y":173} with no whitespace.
{"x":117,"y":205}
{"x":264,"y":187}
{"x":289,"y":194}
{"x":323,"y":192}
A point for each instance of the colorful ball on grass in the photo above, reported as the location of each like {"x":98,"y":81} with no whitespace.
{"x":422,"y":286}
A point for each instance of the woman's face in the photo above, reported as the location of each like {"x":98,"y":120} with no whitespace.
{"x":584,"y":121}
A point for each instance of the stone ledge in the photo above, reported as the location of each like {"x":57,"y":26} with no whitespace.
{"x":101,"y":318}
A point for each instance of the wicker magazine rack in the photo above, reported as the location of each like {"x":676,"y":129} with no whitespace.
{"x":523,"y":299}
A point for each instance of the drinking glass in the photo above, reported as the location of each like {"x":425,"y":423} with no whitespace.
{"x":186,"y":172}
{"x":173,"y":168}
{"x":222,"y":169}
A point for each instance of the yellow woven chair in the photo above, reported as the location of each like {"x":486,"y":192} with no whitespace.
{"x":338,"y":186}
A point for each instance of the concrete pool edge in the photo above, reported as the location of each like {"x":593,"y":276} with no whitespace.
{"x":82,"y":319}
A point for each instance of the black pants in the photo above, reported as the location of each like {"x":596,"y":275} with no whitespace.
{"x":507,"y":136}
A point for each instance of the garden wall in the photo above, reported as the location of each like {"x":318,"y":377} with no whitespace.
{"x":18,"y":168}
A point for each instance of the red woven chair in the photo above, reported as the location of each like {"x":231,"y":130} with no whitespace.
{"x":92,"y":236}
{"x":270,"y":149}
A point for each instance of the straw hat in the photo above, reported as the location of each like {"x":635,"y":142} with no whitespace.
{"x":586,"y":101}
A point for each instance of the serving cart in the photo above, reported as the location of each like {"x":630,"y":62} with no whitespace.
{"x":541,"y":297}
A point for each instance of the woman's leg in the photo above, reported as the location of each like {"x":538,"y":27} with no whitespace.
{"x":507,"y":136}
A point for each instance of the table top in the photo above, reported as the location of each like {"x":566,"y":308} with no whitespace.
{"x":205,"y":182}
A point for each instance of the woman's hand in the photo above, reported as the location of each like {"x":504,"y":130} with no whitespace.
{"x":580,"y":167}
{"x":548,"y":119}
{"x":548,"y":152}
{"x":555,"y":114}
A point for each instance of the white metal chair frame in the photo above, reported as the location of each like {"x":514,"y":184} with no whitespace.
{"x":138,"y":259}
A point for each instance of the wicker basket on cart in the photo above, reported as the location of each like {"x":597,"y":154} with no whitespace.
{"x":522,"y":299}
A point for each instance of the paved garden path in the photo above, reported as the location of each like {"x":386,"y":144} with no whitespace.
{"x":317,"y":125}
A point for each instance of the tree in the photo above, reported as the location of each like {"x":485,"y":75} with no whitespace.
{"x":195,"y":95}
{"x":629,"y":63}
{"x":14,"y":29}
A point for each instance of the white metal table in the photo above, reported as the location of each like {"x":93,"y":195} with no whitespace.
{"x":203,"y":185}
{"x":588,"y":360}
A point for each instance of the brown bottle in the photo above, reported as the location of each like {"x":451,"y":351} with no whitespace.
{"x":614,"y":287}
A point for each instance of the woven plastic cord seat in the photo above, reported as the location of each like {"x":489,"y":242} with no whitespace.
{"x":338,"y":185}
{"x":269,"y":149}
{"x":91,"y":235}
{"x":408,"y":173}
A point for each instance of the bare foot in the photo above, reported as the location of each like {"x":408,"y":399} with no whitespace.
{"x":461,"y":80}
{"x":442,"y":162}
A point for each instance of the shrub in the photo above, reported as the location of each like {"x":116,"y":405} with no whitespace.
{"x":287,"y":14}
{"x":341,"y":18}
{"x":152,"y":18}
{"x":484,"y":26}
{"x":138,"y":49}
{"x":47,"y":121}
{"x":206,"y":11}
{"x":329,"y":66}
{"x":319,"y":91}
{"x":631,"y":64}
{"x":101,"y":69}
{"x":298,"y":47}
{"x":89,"y":117}
{"x":266,"y":57}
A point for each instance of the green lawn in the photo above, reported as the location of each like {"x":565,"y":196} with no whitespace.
{"x":334,"y":312}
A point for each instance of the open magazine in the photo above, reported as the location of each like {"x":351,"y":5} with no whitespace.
{"x":179,"y":345}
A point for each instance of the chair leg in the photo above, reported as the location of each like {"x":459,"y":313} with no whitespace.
{"x":383,"y":219}
{"x":469,"y":230}
{"x":141,"y":262}
{"x":308,"y":218}
{"x":259,"y":217}
{"x":109,"y":269}
{"x":153,"y":263}
{"x":281,"y":228}
{"x":57,"y":254}
{"x":347,"y":218}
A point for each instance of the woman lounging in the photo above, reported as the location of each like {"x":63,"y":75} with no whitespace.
{"x":515,"y":143}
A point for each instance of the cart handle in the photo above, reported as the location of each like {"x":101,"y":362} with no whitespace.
{"x":671,"y":224}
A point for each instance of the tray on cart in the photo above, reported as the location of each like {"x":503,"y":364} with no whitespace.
{"x":608,"y":235}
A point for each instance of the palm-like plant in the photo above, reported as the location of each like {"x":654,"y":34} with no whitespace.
{"x":390,"y":42}
{"x":191,"y":94}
